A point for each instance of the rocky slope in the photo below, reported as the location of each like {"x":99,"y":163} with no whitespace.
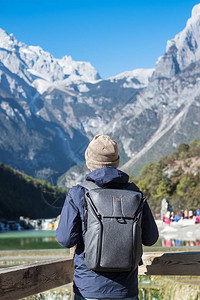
{"x":50,"y":108}
{"x":172,"y":96}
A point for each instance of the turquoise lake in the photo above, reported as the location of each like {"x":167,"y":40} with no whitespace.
{"x":46,"y":239}
{"x":37,"y":245}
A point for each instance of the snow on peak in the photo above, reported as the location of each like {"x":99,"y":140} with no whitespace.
{"x":3,"y":35}
{"x":190,"y":32}
{"x":66,"y":60}
{"x":78,"y":70}
{"x":35,"y":65}
{"x":42,"y":62}
{"x":7,"y":41}
{"x":183,"y":49}
{"x":136,"y":78}
{"x":196,"y":10}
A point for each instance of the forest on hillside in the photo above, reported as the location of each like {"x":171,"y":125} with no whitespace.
{"x":22,"y":195}
{"x":175,"y":177}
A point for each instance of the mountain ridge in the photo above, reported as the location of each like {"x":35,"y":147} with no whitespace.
{"x":140,"y":109}
{"x":174,"y":177}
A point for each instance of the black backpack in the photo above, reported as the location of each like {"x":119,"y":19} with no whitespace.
{"x":113,"y":237}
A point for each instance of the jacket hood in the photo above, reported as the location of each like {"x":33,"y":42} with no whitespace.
{"x":108,"y":177}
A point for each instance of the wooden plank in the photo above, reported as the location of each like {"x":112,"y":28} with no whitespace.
{"x":171,"y":263}
{"x":22,"y":281}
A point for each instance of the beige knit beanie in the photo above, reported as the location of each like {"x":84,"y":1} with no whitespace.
{"x":101,"y":152}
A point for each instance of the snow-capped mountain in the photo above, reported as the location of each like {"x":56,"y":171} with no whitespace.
{"x":50,"y":108}
{"x":158,"y":118}
{"x":183,"y":50}
{"x":173,"y":96}
{"x":134,"y":78}
{"x":39,"y":67}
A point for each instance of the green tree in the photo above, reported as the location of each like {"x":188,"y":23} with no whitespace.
{"x":186,"y":184}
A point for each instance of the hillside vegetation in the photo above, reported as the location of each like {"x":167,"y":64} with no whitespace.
{"x":22,"y":195}
{"x":175,"y":177}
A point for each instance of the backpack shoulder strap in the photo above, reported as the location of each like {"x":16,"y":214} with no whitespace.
{"x":133,"y":187}
{"x":90,"y":185}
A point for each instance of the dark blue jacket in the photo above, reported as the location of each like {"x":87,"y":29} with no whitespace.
{"x":71,"y":232}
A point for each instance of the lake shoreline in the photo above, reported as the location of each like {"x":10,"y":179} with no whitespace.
{"x":185,"y":230}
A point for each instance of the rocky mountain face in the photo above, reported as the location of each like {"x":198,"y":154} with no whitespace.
{"x":173,"y":96}
{"x":50,"y":108}
{"x":189,"y":166}
{"x":182,"y":50}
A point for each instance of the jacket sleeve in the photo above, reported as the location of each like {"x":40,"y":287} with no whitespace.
{"x":149,"y":228}
{"x":69,"y":230}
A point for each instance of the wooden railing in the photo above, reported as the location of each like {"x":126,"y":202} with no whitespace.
{"x":22,"y":281}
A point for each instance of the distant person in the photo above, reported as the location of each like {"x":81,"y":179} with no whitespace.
{"x":185,"y":214}
{"x":169,"y":243}
{"x":182,"y":214}
{"x":176,"y":218}
{"x":178,"y":242}
{"x":198,"y":212}
{"x":167,"y":218}
{"x":190,"y":213}
{"x":102,"y":160}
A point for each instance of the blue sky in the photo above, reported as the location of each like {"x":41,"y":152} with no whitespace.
{"x":114,"y":36}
